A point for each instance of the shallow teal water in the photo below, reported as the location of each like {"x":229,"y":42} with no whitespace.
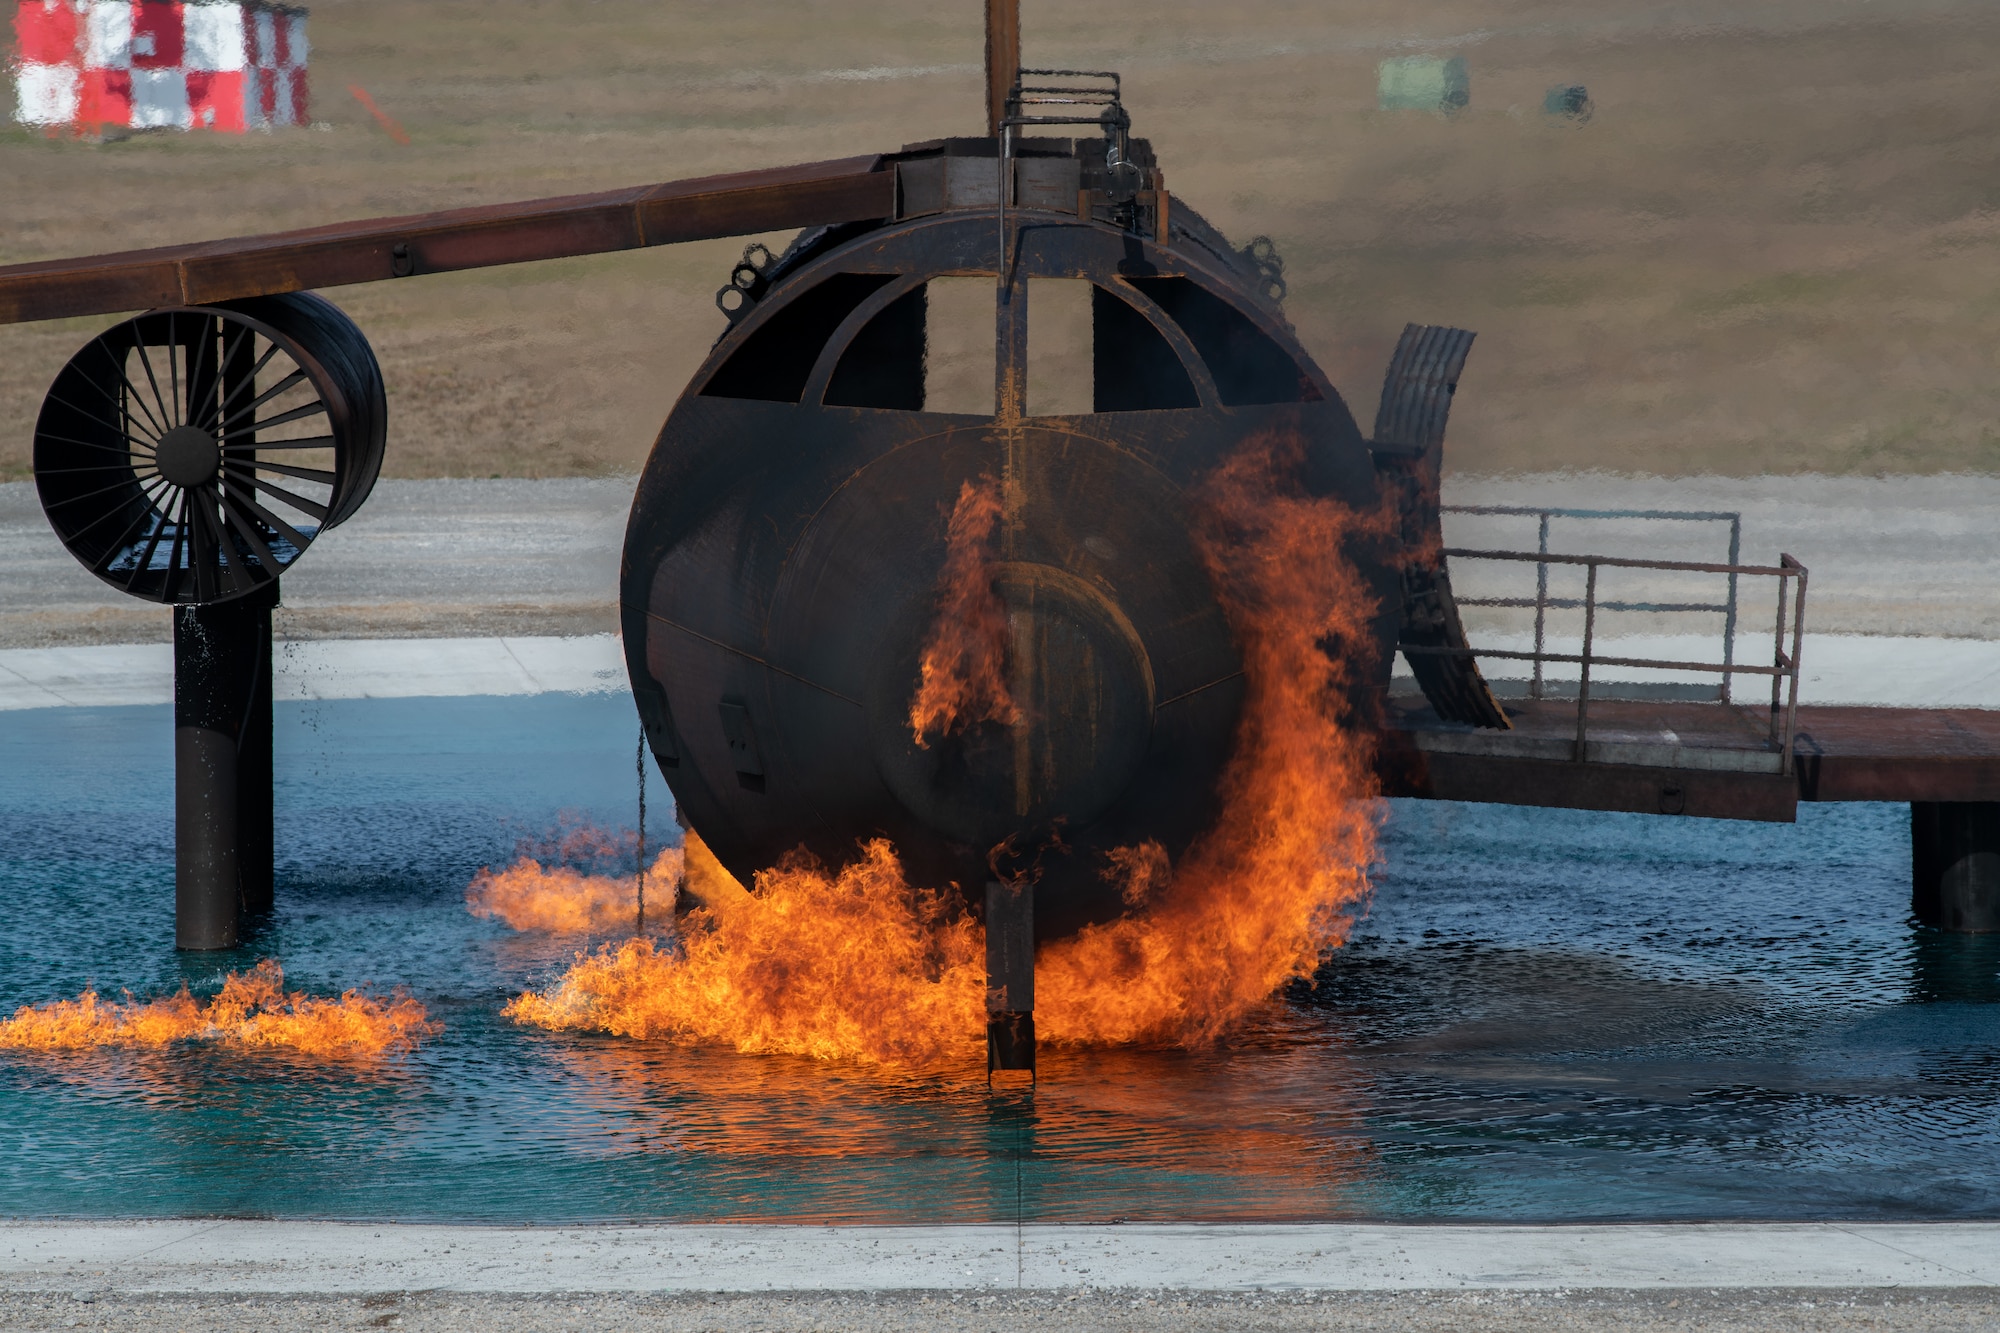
{"x":1546,"y":1015}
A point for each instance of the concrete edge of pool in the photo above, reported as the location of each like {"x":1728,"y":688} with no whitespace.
{"x":167,"y":1257}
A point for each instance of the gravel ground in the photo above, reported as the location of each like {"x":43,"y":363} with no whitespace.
{"x":1775,"y":1311}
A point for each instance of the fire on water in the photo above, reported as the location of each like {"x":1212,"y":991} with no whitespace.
{"x":562,"y":900}
{"x":856,"y":963}
{"x":252,"y":1009}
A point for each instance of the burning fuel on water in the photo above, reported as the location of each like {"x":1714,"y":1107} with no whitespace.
{"x":850,"y":963}
{"x":543,"y":890}
{"x":252,"y":1009}
{"x":855,"y":962}
{"x":1044,"y":707}
{"x":1013,"y":607}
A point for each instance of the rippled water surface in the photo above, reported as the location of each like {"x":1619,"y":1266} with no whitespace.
{"x":1546,"y":1015}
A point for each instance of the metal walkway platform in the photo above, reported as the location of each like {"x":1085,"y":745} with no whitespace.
{"x":1683,"y":758}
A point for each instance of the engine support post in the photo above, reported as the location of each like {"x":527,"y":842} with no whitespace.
{"x":1010,"y":978}
{"x":223,"y":842}
{"x":1955,"y":865}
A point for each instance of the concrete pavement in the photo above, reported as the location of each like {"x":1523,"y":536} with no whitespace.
{"x":1674,"y":1310}
{"x":453,"y":558}
{"x":102,"y":675}
{"x":328,"y":1257}
{"x":1915,"y":556}
{"x":1912,"y":556}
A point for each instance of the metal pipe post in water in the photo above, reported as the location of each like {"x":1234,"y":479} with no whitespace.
{"x":223,"y":841}
{"x":1010,"y":978}
{"x":1955,"y":865}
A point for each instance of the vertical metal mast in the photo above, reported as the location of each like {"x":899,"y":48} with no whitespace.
{"x":1010,"y":908}
{"x":1003,"y":68}
{"x":1003,"y":58}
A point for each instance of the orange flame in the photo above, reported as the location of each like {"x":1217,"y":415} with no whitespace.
{"x":561,"y":900}
{"x":857,"y":964}
{"x":963,"y":680}
{"x":849,"y":964}
{"x":1262,"y":896}
{"x":252,"y":1009}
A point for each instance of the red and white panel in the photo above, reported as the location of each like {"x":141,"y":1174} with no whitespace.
{"x":47,"y":76}
{"x":107,"y":64}
{"x":203,"y":64}
{"x":214,"y":54}
{"x":275,"y":41}
{"x":159,"y":84}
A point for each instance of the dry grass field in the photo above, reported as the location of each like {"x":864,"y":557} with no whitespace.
{"x":1774,"y":248}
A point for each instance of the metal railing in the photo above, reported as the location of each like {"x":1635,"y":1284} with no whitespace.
{"x":1783,"y":671}
{"x":1543,"y":603}
{"x":1096,"y":103}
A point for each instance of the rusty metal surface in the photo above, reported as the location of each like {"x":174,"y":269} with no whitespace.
{"x":1003,"y":58}
{"x":1556,"y":783}
{"x":1416,"y":399}
{"x":1625,"y":562}
{"x":1898,"y":754}
{"x":377,"y":249}
{"x":788,"y":533}
{"x":1785,"y":646}
{"x":1542,"y":602}
{"x":1842,"y":754}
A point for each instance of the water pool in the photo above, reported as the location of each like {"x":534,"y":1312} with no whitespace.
{"x":1546,"y":1015}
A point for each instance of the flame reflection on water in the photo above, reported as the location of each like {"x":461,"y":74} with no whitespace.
{"x":1273,"y":1121}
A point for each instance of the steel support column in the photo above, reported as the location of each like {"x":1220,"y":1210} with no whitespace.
{"x":1003,"y":58}
{"x":1010,"y":978}
{"x":1955,"y":865}
{"x":223,"y":845}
